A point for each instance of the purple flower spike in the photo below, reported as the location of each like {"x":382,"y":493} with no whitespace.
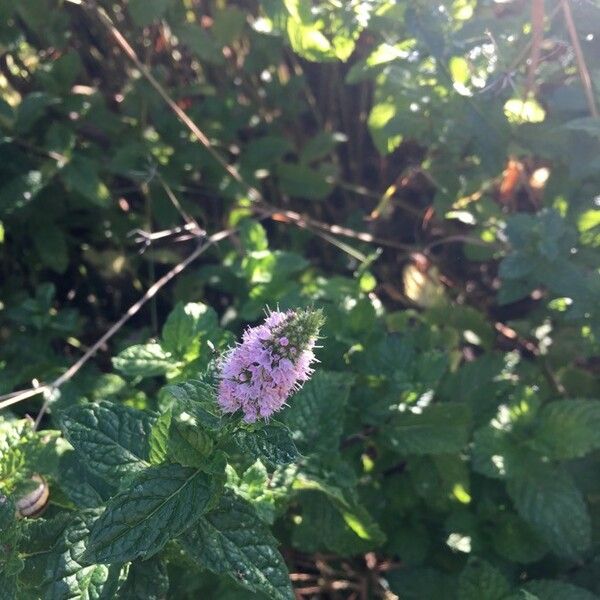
{"x":271,"y":363}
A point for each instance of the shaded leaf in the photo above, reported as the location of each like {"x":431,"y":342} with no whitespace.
{"x":233,"y":540}
{"x":437,"y":429}
{"x":159,"y":505}
{"x":111,"y":439}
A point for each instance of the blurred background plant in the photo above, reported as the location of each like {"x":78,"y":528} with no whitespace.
{"x":426,"y":172}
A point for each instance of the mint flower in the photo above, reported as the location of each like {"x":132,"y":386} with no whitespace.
{"x":272,"y":362}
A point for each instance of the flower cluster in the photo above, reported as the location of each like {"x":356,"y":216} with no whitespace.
{"x":273,"y":360}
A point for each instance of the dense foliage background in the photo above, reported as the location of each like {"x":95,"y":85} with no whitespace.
{"x":427,"y":173}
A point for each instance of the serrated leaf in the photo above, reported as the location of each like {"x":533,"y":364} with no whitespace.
{"x":111,"y":439}
{"x":199,"y":399}
{"x":515,"y":541}
{"x":272,"y":443}
{"x":568,"y":428}
{"x":52,"y":247}
{"x":233,"y":540}
{"x":256,"y":487}
{"x":159,"y":438}
{"x":143,"y":12}
{"x":314,"y":415}
{"x":323,"y":528}
{"x":590,"y":125}
{"x":159,"y":505}
{"x":59,"y":573}
{"x":147,"y":580}
{"x":188,"y":444}
{"x":479,"y":579}
{"x":345,"y":500}
{"x":546,"y":589}
{"x":422,"y":583}
{"x":184,"y":327}
{"x":301,"y":181}
{"x":144,"y":360}
{"x":551,"y":503}
{"x":496,"y":453}
{"x":436,"y":429}
{"x":10,"y":534}
{"x":8,"y":587}
{"x":80,"y":485}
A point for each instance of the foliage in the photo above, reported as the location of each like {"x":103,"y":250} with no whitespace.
{"x":447,"y":444}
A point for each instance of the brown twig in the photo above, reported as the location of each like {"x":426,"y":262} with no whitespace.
{"x":48,"y":388}
{"x":537,"y":38}
{"x":584,"y":73}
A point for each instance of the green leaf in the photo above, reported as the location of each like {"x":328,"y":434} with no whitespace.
{"x":436,"y":429}
{"x":301,"y":181}
{"x":199,"y":400}
{"x":143,"y":12}
{"x":568,"y":428}
{"x":184,"y":327}
{"x":356,"y":517}
{"x":233,"y":540}
{"x":551,"y":503}
{"x":253,"y":236}
{"x":147,"y":580}
{"x":308,"y":41}
{"x":515,"y":541}
{"x":272,"y":443}
{"x":557,"y":590}
{"x":111,"y":439}
{"x":159,"y":438}
{"x":320,"y":146}
{"x":81,"y":175}
{"x":315,"y":412}
{"x":144,"y":360}
{"x":479,"y":579}
{"x":228,"y":25}
{"x":590,"y":125}
{"x":256,"y":487}
{"x":421,"y":583}
{"x":189,"y":444}
{"x":59,"y":573}
{"x":10,"y":534}
{"x":499,"y":454}
{"x":81,"y":486}
{"x":51,"y":246}
{"x":159,"y":505}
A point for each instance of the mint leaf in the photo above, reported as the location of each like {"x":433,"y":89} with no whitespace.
{"x":345,"y":500}
{"x":551,"y":503}
{"x":147,"y":580}
{"x":111,"y":439}
{"x":184,"y":327}
{"x":233,"y":540}
{"x":315,"y":412}
{"x":436,"y":429}
{"x":159,"y":505}
{"x":188,"y":444}
{"x":480,"y":580}
{"x":568,"y":428}
{"x":82,"y":487}
{"x":59,"y":573}
{"x":144,"y":360}
{"x":557,"y":590}
{"x":272,"y":443}
{"x":199,"y":400}
{"x":159,"y":438}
